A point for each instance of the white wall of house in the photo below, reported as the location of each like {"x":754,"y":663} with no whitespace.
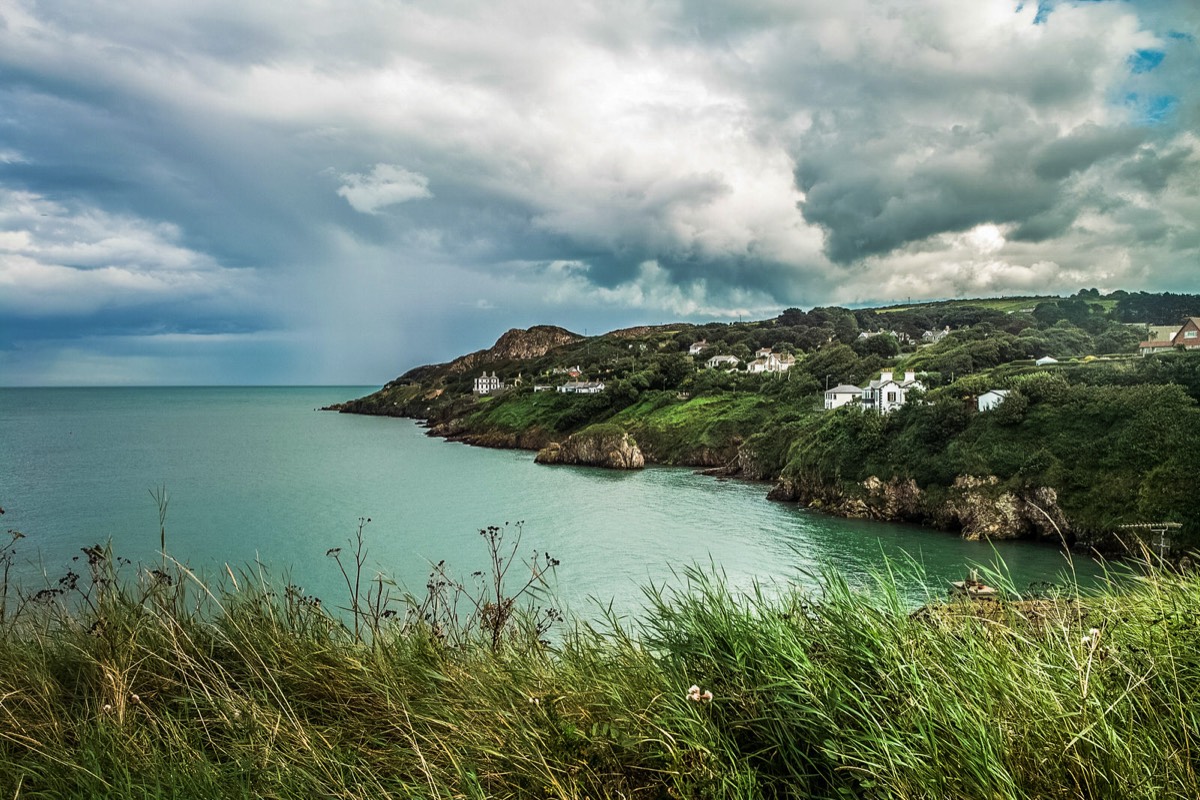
{"x":887,"y":394}
{"x":842,"y":395}
{"x":992,"y":398}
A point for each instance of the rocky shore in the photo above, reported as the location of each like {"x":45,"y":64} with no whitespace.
{"x":609,"y":448}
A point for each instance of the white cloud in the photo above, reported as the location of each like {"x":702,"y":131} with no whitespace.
{"x":386,"y":185}
{"x":57,"y":260}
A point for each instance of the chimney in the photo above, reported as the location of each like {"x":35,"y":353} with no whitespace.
{"x":909,"y":377}
{"x":885,"y":376}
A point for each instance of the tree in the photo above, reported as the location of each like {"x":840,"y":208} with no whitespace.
{"x":838,"y":363}
{"x":1117,"y":339}
{"x":883,"y":345}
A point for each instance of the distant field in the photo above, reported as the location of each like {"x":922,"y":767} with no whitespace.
{"x":1006,"y":304}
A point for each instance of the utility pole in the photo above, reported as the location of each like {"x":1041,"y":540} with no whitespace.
{"x":1158,"y":532}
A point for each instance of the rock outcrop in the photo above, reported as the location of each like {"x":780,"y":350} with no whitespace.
{"x":977,"y":506}
{"x":516,"y":344}
{"x":983,"y":510}
{"x":593,"y":448}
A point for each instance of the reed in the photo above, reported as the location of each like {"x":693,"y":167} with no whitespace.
{"x":125,"y":681}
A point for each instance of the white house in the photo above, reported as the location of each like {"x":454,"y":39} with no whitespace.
{"x":728,"y":362}
{"x":841,"y":395}
{"x":582,"y":387}
{"x":697,"y":347}
{"x":762,"y":352}
{"x":933,"y":337}
{"x":488,"y":384}
{"x":887,"y":393}
{"x":991,"y":398}
{"x":1046,"y":361}
{"x":772,"y":362}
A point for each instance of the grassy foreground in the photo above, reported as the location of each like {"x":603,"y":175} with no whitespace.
{"x":154,"y":685}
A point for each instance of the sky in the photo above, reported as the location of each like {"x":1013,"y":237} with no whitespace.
{"x":316,"y":192}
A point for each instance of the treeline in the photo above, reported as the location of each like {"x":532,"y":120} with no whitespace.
{"x":1161,"y":308}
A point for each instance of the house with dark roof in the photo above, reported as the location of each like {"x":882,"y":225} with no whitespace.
{"x":1186,"y":338}
{"x":488,"y":384}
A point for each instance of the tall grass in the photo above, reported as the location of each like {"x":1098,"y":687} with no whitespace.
{"x":134,"y":682}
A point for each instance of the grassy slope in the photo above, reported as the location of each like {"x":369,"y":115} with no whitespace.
{"x":669,"y":430}
{"x":1006,"y":304}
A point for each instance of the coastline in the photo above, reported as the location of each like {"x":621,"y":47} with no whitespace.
{"x":975,"y":511}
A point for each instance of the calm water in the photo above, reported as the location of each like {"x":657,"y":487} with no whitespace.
{"x":257,"y":474}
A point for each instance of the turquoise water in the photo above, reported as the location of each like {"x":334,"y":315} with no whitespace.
{"x":258,"y":475}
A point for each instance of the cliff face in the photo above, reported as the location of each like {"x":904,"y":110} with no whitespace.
{"x":976,"y":506}
{"x":982,"y":511}
{"x":517,"y":343}
{"x":614,"y":450}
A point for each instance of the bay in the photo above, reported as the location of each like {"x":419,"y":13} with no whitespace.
{"x":260,"y":476}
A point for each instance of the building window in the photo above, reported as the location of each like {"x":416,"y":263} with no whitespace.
{"x":1189,"y":334}
{"x":891,"y":397}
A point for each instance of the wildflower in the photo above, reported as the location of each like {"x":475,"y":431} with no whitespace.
{"x":535,"y":701}
{"x":1085,"y":641}
{"x":134,"y":700}
{"x":707,"y":696}
{"x":1094,"y":633}
{"x":696,"y":696}
{"x":107,"y":709}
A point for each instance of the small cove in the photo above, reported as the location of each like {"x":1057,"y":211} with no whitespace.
{"x":257,"y":475}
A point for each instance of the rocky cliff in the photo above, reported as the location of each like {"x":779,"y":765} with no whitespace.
{"x":976,"y":506}
{"x":516,"y":343}
{"x":613,"y":449}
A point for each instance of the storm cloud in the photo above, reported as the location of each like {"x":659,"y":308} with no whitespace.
{"x":239,"y":192}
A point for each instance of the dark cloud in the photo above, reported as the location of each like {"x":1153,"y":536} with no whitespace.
{"x":872,"y":198}
{"x":1153,"y":169}
{"x":420,"y":176}
{"x":1083,"y":147}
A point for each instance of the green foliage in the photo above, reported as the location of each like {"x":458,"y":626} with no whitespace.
{"x":836,"y":363}
{"x":171,"y":688}
{"x":1157,"y":309}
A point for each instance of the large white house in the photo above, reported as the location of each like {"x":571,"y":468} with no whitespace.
{"x":841,"y":395}
{"x":727,"y":362}
{"x":697,"y":347}
{"x":769,"y":361}
{"x":488,"y":384}
{"x":887,"y":393}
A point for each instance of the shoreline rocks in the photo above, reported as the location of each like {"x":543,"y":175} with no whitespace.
{"x":594,"y":448}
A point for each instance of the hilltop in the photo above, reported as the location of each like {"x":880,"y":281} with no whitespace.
{"x":1090,"y":435}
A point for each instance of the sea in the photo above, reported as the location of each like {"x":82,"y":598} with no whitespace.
{"x":259,"y":481}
